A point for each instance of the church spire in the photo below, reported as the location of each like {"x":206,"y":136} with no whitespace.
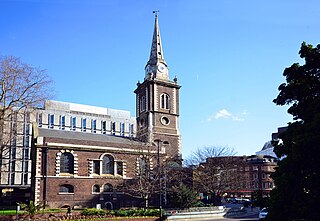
{"x":156,"y":64}
{"x":156,"y":54}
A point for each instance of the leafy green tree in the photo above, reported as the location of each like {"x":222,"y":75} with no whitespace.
{"x":297,"y":179}
{"x":183,"y":197}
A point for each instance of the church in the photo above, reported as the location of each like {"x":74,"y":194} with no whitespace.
{"x":83,"y":156}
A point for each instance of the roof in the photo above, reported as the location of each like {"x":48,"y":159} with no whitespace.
{"x":82,"y":136}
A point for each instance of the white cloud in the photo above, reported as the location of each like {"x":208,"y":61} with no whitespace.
{"x":222,"y":114}
{"x":225,"y":114}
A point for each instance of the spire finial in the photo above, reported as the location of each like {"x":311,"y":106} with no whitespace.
{"x":156,"y":12}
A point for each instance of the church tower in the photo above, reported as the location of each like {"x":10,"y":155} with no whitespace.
{"x":157,"y":102}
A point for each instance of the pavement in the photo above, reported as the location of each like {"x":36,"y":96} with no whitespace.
{"x":233,"y":212}
{"x":242,"y":212}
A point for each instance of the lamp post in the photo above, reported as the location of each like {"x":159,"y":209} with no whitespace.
{"x":158,"y":141}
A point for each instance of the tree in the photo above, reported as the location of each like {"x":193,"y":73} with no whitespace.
{"x":146,"y":181}
{"x":23,"y":87}
{"x":297,"y":192}
{"x":215,"y":170}
{"x":182,"y":197}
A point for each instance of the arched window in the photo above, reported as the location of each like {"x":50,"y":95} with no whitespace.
{"x":165,"y":101}
{"x":107,"y":165}
{"x":142,"y":103}
{"x":67,"y":163}
{"x":108,"y":188}
{"x":142,"y":166}
{"x":96,"y":188}
{"x":66,"y":188}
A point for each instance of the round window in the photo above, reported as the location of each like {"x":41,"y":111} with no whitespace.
{"x":165,"y":121}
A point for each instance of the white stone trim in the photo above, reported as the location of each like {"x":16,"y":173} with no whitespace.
{"x":147,"y":100}
{"x":99,"y":147}
{"x":37,"y":190}
{"x":75,"y":162}
{"x":138,"y":105}
{"x":174,"y":102}
{"x":156,"y":99}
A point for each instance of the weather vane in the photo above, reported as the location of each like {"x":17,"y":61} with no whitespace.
{"x":156,"y":12}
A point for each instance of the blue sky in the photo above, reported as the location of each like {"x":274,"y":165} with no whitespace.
{"x":228,"y":55}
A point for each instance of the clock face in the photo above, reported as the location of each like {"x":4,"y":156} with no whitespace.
{"x":165,"y":120}
{"x":161,"y":68}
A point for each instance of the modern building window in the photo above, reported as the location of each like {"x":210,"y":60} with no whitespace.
{"x":26,"y":140}
{"x":25,"y":178}
{"x":62,"y":122}
{"x":96,"y":188}
{"x":51,"y":120}
{"x":26,"y":153}
{"x":122,"y":127}
{"x":66,"y":188}
{"x":27,"y":129}
{"x":40,"y":120}
{"x":265,"y":185}
{"x":107,"y":165}
{"x":103,"y":127}
{"x":73,"y":123}
{"x":84,"y":124}
{"x":25,"y":165}
{"x":271,"y":185}
{"x":113,"y":128}
{"x":94,"y":125}
{"x":165,"y":101}
{"x":131,"y":130}
{"x":67,"y":163}
{"x":108,"y":187}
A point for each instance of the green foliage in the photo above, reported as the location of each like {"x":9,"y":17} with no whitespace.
{"x":182,"y":197}
{"x":9,"y":212}
{"x":120,"y":213}
{"x":31,"y":208}
{"x":297,"y":178}
{"x":94,"y":212}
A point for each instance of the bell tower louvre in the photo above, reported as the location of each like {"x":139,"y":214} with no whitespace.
{"x":157,"y":102}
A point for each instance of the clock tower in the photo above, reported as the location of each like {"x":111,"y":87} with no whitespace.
{"x":157,"y":102}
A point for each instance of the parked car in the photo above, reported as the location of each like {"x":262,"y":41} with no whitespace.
{"x":263,"y":213}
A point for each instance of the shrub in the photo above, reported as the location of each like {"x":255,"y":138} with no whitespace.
{"x":93,"y":212}
{"x":121,"y":212}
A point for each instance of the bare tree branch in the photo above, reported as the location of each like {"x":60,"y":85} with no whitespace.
{"x":23,"y":88}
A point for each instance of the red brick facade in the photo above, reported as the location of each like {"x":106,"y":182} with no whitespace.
{"x":48,"y":179}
